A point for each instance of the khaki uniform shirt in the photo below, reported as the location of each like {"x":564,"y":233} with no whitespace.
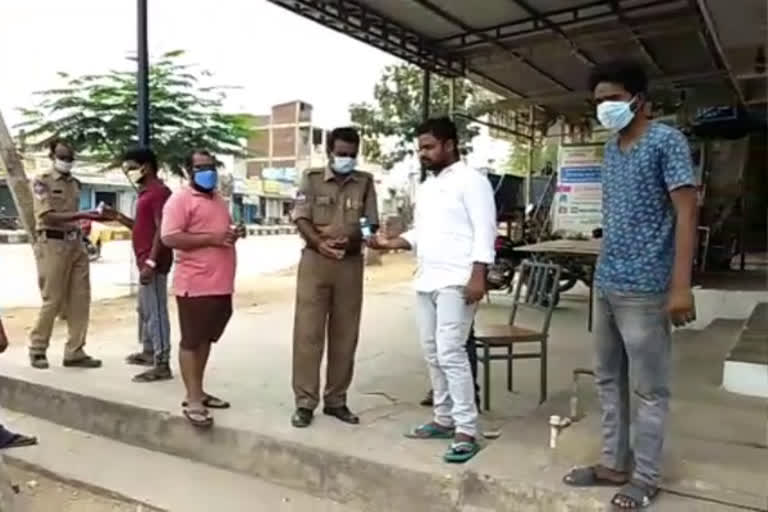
{"x":55,"y":192}
{"x":335,"y":206}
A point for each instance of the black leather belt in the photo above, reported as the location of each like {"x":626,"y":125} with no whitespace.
{"x":61,"y":235}
{"x":353,"y":252}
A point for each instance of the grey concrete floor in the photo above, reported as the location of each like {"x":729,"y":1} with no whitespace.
{"x":716,"y":444}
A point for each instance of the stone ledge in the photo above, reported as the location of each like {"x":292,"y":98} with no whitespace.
{"x":355,"y":480}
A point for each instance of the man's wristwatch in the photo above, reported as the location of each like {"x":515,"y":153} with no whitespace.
{"x":151,"y":263}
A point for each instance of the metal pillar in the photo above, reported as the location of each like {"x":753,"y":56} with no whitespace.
{"x":142,"y":74}
{"x":452,"y":97}
{"x":531,"y":146}
{"x":426,"y":93}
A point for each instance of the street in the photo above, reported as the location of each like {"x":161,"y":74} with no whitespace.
{"x":113,"y":273}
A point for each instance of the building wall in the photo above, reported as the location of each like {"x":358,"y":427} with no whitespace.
{"x":286,"y":113}
{"x":259,"y":143}
{"x":284,"y":141}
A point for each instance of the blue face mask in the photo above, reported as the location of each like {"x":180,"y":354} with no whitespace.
{"x":615,"y":115}
{"x":206,"y":178}
{"x":344,"y":164}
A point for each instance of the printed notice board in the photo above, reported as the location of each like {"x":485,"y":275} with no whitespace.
{"x":578,"y":201}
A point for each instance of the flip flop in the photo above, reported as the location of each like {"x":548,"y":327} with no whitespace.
{"x":637,"y":494}
{"x":199,"y":418}
{"x":212,"y":402}
{"x":429,"y":431}
{"x":588,"y":477}
{"x":18,"y":441}
{"x":141,"y":359}
{"x":461,"y":452}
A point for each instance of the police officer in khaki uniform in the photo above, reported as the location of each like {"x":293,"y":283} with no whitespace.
{"x":329,"y":293}
{"x":62,"y":263}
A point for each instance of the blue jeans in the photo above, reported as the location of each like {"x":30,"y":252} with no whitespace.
{"x":154,"y":324}
{"x":632,"y":337}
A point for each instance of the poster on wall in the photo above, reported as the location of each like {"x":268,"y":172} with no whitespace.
{"x":578,"y":201}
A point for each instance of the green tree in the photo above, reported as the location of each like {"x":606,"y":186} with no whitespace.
{"x":543,"y":152}
{"x":97,"y":113}
{"x":397,"y":111}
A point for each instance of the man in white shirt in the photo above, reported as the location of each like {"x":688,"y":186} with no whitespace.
{"x":453,"y":235}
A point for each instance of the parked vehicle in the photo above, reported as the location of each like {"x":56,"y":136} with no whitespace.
{"x":502,"y":272}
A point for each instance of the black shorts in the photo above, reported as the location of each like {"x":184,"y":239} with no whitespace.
{"x":203,"y":319}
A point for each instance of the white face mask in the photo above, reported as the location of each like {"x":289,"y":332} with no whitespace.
{"x":344,"y":164}
{"x":615,"y":115}
{"x":62,"y":166}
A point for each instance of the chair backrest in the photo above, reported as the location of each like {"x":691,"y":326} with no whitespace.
{"x":537,"y":288}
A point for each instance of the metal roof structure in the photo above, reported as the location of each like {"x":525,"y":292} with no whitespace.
{"x":540,"y":52}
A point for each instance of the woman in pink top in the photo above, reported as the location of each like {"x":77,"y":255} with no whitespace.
{"x":197,"y":225}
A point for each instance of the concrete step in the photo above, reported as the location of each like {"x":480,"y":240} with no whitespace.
{"x":745,"y":370}
{"x":150,"y":478}
{"x":363,"y":468}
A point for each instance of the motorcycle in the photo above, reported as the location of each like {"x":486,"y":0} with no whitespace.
{"x":502,"y":272}
{"x":93,"y":250}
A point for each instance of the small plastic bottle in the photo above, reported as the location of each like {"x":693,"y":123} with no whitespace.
{"x":365,"y":228}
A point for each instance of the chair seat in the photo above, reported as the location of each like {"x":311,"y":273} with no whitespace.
{"x":501,"y":335}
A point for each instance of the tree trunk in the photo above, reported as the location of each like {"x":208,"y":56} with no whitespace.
{"x":17,"y":180}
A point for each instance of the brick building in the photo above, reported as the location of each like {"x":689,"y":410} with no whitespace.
{"x":283,"y":145}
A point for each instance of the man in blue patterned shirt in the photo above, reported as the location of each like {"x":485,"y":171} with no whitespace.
{"x":643,"y":280}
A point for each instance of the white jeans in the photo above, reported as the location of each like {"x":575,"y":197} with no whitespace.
{"x":444,"y":323}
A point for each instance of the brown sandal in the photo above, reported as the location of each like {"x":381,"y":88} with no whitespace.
{"x":199,"y":418}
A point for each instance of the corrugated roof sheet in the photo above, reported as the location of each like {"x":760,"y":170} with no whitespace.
{"x":543,"y":50}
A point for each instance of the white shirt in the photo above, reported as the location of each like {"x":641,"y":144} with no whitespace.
{"x":454,"y":227}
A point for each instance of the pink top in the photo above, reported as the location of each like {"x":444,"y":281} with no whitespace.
{"x":208,"y":270}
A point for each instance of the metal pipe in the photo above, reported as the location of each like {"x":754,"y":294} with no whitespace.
{"x":142,"y":74}
{"x":713,"y":41}
{"x":426,"y":92}
{"x":531,"y":149}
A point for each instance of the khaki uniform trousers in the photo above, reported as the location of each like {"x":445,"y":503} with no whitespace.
{"x":329,"y":298}
{"x":64,"y":279}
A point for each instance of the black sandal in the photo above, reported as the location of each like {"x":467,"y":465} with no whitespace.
{"x":141,"y":359}
{"x":634,"y":496}
{"x":212,"y":402}
{"x":155,"y":374}
{"x":18,"y":441}
{"x":589,"y":477}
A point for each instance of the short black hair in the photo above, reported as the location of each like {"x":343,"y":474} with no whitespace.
{"x":629,"y":74}
{"x":57,"y":141}
{"x":441,"y":128}
{"x":189,"y":161}
{"x":142,"y":156}
{"x":345,"y":133}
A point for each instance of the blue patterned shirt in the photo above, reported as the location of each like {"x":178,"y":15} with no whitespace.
{"x":638,"y":216}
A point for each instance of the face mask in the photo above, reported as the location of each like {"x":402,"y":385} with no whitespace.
{"x":62,"y":166}
{"x":205,"y":179}
{"x":615,"y":115}
{"x":136,"y":175}
{"x":344,"y":164}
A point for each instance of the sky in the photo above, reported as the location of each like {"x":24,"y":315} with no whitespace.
{"x":274,"y":55}
{"x":271,"y":54}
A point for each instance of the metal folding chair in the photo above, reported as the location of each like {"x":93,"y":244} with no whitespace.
{"x":536,"y":289}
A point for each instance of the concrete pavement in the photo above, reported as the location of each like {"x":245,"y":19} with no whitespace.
{"x":716,"y":449}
